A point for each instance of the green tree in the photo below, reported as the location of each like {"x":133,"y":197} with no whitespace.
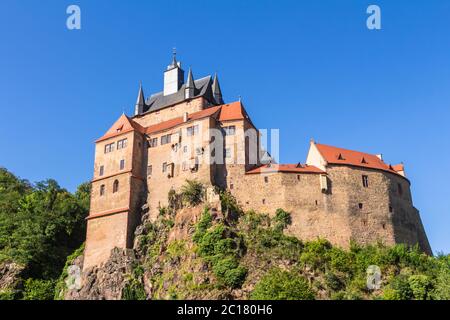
{"x":282,"y":285}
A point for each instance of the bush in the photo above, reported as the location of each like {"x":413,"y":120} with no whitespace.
{"x":282,"y":285}
{"x":134,"y":290}
{"x":192,"y":192}
{"x":282,"y":219}
{"x":36,"y":289}
{"x":420,"y":286}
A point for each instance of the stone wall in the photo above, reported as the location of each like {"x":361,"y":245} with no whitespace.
{"x":175,"y":111}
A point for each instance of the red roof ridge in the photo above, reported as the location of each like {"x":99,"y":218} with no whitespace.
{"x":336,"y":155}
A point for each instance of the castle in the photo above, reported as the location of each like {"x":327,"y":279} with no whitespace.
{"x":188,"y":132}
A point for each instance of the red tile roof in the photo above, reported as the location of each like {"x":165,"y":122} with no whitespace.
{"x":232,"y":111}
{"x":226,"y":112}
{"x":287,"y":168}
{"x":334,"y":155}
{"x":123,"y":125}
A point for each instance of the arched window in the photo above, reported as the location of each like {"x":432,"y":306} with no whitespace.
{"x":102,"y":190}
{"x":116,"y":186}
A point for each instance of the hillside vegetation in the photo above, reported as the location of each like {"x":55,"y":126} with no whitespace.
{"x":195,"y":250}
{"x":40,"y":225}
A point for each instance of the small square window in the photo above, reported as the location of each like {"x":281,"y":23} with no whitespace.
{"x":298,"y":177}
{"x":231,"y":186}
{"x":266,"y":179}
{"x":102,"y":171}
{"x":360,"y":205}
{"x":390,"y":209}
{"x":102,"y":190}
{"x":149,"y":170}
{"x":166,"y":139}
{"x":122,"y":164}
{"x":263,"y":201}
{"x":164,"y":167}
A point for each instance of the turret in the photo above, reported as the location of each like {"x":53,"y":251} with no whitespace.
{"x":173,"y":77}
{"x":140,"y":102}
{"x":217,"y":93}
{"x":189,"y":91}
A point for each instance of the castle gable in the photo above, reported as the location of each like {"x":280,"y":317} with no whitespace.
{"x":123,"y":125}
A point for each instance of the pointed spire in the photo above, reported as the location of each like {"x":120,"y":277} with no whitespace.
{"x":174,"y":63}
{"x":140,"y":102}
{"x":189,"y":91}
{"x":190,"y":80}
{"x":217,"y":93}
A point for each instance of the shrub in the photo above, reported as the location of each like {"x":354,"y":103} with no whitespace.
{"x":36,"y":289}
{"x":192,"y":192}
{"x":229,"y":203}
{"x":282,"y":285}
{"x":282,"y":219}
{"x":420,"y":286}
{"x":134,"y":290}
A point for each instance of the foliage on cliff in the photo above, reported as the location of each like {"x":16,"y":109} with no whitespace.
{"x":40,"y":225}
{"x":250,"y":256}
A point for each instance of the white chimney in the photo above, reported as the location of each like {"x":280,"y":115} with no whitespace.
{"x":380,"y":156}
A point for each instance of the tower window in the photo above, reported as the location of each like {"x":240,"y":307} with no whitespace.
{"x":266,"y":179}
{"x":264,"y":201}
{"x":164,"y":167}
{"x":153,"y":143}
{"x":192,"y":131}
{"x":149,"y":170}
{"x":102,"y":171}
{"x":400,"y":189}
{"x":102,"y":190}
{"x":231,"y":186}
{"x":360,"y":205}
{"x":391,"y":209}
{"x":166,"y":139}
{"x":122,"y":164}
{"x":365,"y":181}
{"x":298,"y":177}
{"x":109,"y":147}
{"x":121,"y":144}
{"x":115,"y":186}
{"x":230,"y":131}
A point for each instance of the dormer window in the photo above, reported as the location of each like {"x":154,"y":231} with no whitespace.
{"x":363,"y":161}
{"x":119,"y":129}
{"x":341,"y":157}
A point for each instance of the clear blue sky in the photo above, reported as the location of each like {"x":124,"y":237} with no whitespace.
{"x":309,"y":68}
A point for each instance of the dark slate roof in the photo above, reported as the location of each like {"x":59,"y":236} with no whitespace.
{"x":203,"y":88}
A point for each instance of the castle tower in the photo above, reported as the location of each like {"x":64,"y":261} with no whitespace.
{"x":173,"y":77}
{"x":116,"y":190}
